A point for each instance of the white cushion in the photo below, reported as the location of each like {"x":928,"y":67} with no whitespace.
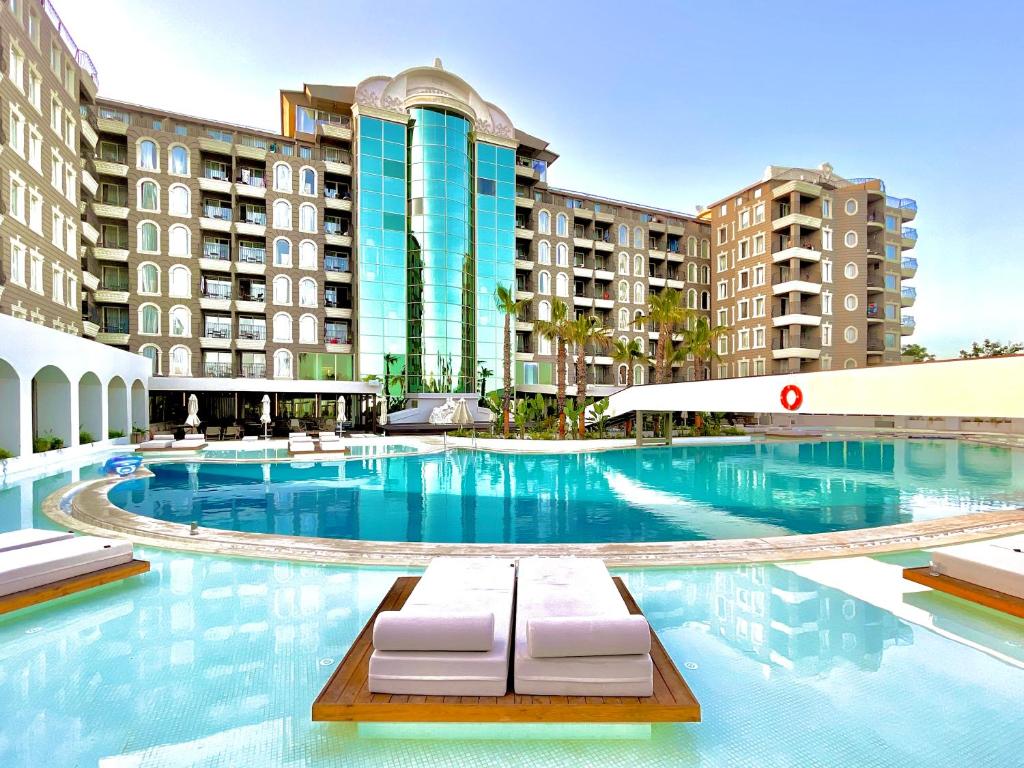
{"x":555,"y":636}
{"x":163,"y":437}
{"x":30,"y":537}
{"x":157,"y":444}
{"x":30,"y":567}
{"x":301,"y":446}
{"x":414,"y":630}
{"x":296,"y":435}
{"x":993,"y":565}
{"x":190,"y":444}
{"x":195,"y":436}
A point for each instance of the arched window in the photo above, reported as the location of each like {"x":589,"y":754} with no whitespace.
{"x":544,"y":283}
{"x":179,"y":240}
{"x":307,"y":217}
{"x":151,"y":352}
{"x":623,"y":234}
{"x":544,"y":346}
{"x":282,"y":252}
{"x":705,"y":249}
{"x":282,"y":291}
{"x":148,"y":237}
{"x":148,"y":195}
{"x":638,"y":265}
{"x":691,"y":247}
{"x":562,"y":255}
{"x":638,"y":321}
{"x":307,"y":329}
{"x":691,"y":298}
{"x":181,"y":321}
{"x":691,"y":272}
{"x":623,"y":374}
{"x":179,"y":282}
{"x":179,"y":161}
{"x":623,"y":291}
{"x":307,"y":255}
{"x":149,"y":279}
{"x":638,"y":237}
{"x":307,"y":183}
{"x":543,"y":252}
{"x":562,"y":284}
{"x":562,"y":225}
{"x":705,"y":300}
{"x":638,"y":374}
{"x":282,"y":177}
{"x":623,"y":319}
{"x":282,"y":214}
{"x":149,"y":320}
{"x":544,"y":223}
{"x":181,"y":361}
{"x":283,"y":361}
{"x":544,"y":310}
{"x":623,"y":263}
{"x":638,"y":293}
{"x":307,"y":292}
{"x":146,"y":155}
{"x":705,"y":274}
{"x":179,"y":200}
{"x":282,"y":327}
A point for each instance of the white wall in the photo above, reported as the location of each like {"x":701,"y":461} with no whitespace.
{"x":982,"y":388}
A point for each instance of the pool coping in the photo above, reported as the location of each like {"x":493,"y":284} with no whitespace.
{"x":85,"y":507}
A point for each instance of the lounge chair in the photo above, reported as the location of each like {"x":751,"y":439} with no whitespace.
{"x":157,"y":442}
{"x":232,"y":433}
{"x":192,"y":442}
{"x":298,"y":436}
{"x":213,"y":433}
{"x":575,"y":635}
{"x":30,"y":537}
{"x":302,"y":446}
{"x":452,"y":636}
{"x":997,"y":565}
{"x":43,"y":564}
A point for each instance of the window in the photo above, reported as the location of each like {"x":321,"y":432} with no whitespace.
{"x":623,"y":324}
{"x":891,"y":254}
{"x":562,"y":284}
{"x":282,"y":293}
{"x":826,"y":334}
{"x":149,"y":320}
{"x":17,"y":273}
{"x":544,"y":223}
{"x":723,"y":289}
{"x":743,"y":279}
{"x":148,"y":237}
{"x":152,"y":352}
{"x":638,"y":293}
{"x":178,"y":241}
{"x":742,"y":309}
{"x":35,"y":218}
{"x":544,"y":283}
{"x":743,"y":368}
{"x":850,"y":239}
{"x":759,"y":306}
{"x":179,"y":161}
{"x":638,"y":374}
{"x":179,"y":200}
{"x":638,"y":266}
{"x":149,"y":196}
{"x":307,"y":292}
{"x":282,"y":214}
{"x":759,"y":245}
{"x":35,"y":149}
{"x":723,"y":235}
{"x":70,"y":183}
{"x":759,"y":273}
{"x":723,"y":345}
{"x":57,"y":284}
{"x":826,"y":239}
{"x":16,"y":126}
{"x":723,"y":317}
{"x":850,"y":302}
{"x":826,"y":271}
{"x":722,"y":262}
{"x":282,"y":252}
{"x":890,"y":282}
{"x":850,"y":334}
{"x":851,"y":207}
{"x":562,"y":225}
{"x":16,"y":198}
{"x":691,"y":272}
{"x":826,"y":303}
{"x":181,"y":321}
{"x":562,"y":255}
{"x":35,"y":89}
{"x":623,"y":236}
{"x":544,"y":252}
{"x":744,"y":219}
{"x":890,"y":223}
{"x":623,"y":292}
{"x":181,"y":361}
{"x":307,"y":185}
{"x":179,"y":282}
{"x":146,"y":158}
{"x":307,"y":255}
{"x":149,"y":279}
{"x":826,"y":208}
{"x":307,"y":329}
{"x":544,"y":310}
{"x":850,"y":270}
{"x":16,"y":70}
{"x":759,"y":213}
{"x":282,"y":177}
{"x":623,"y":263}
{"x":282,"y":327}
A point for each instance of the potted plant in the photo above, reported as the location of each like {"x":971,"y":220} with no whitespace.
{"x":138,"y":433}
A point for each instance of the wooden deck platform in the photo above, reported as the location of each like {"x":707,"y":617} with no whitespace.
{"x":69,"y":586}
{"x":347,"y":698}
{"x":1000,"y":601}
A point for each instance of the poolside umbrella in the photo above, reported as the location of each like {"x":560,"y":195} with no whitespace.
{"x":265,"y":414}
{"x":193,"y":413}
{"x":383,"y":410}
{"x":462,"y":417}
{"x":341,"y":413}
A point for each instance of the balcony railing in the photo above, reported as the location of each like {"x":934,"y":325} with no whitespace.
{"x":336,"y":191}
{"x":335,"y":228}
{"x":909,"y":293}
{"x":215,"y":173}
{"x":114,"y":284}
{"x":909,"y":262}
{"x":869,"y":180}
{"x":115,"y":326}
{"x":256,"y":142}
{"x":907,"y":321}
{"x":253,"y":370}
{"x":874,"y":311}
{"x":218,"y":251}
{"x":252,"y":332}
{"x":211,"y":211}
{"x":218,"y":370}
{"x":257,"y":296}
{"x":249,"y":255}
{"x":336,"y":263}
{"x":909,"y":233}
{"x":81,"y":57}
{"x":217,"y":292}
{"x":217,"y":331}
{"x":255,"y":216}
{"x":336,"y":338}
{"x":904,"y":203}
{"x":333,"y":155}
{"x":251,"y":178}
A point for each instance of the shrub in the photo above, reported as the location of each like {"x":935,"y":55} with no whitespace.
{"x":115,"y":433}
{"x":84,"y":436}
{"x":5,"y":454}
{"x":47,"y":442}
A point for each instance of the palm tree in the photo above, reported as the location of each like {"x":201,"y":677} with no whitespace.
{"x":701,"y":341}
{"x":557,"y":330}
{"x":630,"y":353}
{"x":585,"y":330}
{"x":505,"y":298}
{"x":665,"y":311}
{"x":483,"y":374}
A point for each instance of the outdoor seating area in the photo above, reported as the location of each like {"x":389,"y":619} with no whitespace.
{"x":324,"y":442}
{"x":166,"y":442}
{"x":39,"y":565}
{"x":439,"y":649}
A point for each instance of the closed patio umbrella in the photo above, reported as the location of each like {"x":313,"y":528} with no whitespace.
{"x":341,"y":413}
{"x":192,"y":420}
{"x":265,"y":414}
{"x":383,"y":410}
{"x":462,"y":417}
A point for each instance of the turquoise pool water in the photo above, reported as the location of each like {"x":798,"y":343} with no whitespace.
{"x":652,"y":494}
{"x":211,"y":661}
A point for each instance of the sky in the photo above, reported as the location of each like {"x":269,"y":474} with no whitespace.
{"x":670,"y":104}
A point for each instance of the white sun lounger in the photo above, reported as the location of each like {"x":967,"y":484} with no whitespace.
{"x":464,"y":589}
{"x":996,"y":565}
{"x":301,"y":446}
{"x":36,"y":566}
{"x":30,"y":537}
{"x":576,"y":596}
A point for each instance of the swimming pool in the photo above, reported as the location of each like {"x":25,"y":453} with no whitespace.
{"x":641,"y":495}
{"x":211,"y":661}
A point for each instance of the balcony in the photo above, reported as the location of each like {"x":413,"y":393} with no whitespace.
{"x":252,"y":221}
{"x":908,"y":238}
{"x":796,"y":318}
{"x":524,"y":168}
{"x":250,"y":185}
{"x":906,"y":206}
{"x":251,"y":147}
{"x":339,"y":131}
{"x":337,"y":233}
{"x":337,"y":196}
{"x":90,"y":232}
{"x":522,"y":233}
{"x":801,"y":219}
{"x":89,"y":182}
{"x":908,"y":267}
{"x":907,"y":297}
{"x":907,"y":325}
{"x":248,"y":254}
{"x":799,"y":348}
{"x":215,"y":183}
{"x":112,"y":295}
{"x":524,"y":202}
{"x":218,"y":301}
{"x":796,"y":185}
{"x":216,"y":218}
{"x":253,"y":370}
{"x":89,"y":281}
{"x":796,"y":252}
{"x":110,"y":168}
{"x":798,"y":286}
{"x":875,"y":347}
{"x":337,"y":161}
{"x":107,"y":211}
{"x":109,"y":253}
{"x":218,"y":370}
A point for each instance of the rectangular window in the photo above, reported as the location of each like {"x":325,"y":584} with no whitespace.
{"x":723,"y":345}
{"x":890,"y":223}
{"x":890,"y":341}
{"x":826,"y":362}
{"x":16,"y":199}
{"x":57,"y":285}
{"x":35,"y":211}
{"x":891,"y":254}
{"x":826,"y":303}
{"x":35,"y":149}
{"x":16,"y":128}
{"x":759,"y":306}
{"x":744,"y":219}
{"x":723,"y":234}
{"x":35,"y":88}
{"x":826,"y":208}
{"x":826,"y":239}
{"x":890,"y":282}
{"x":826,"y":271}
{"x":723,"y":262}
{"x":759,"y":273}
{"x":743,"y":338}
{"x":759,"y":213}
{"x":759,"y":246}
{"x":826,"y":334}
{"x":486,"y":187}
{"x":759,"y":338}
{"x":723,"y":317}
{"x":743,"y":310}
{"x":743,"y":368}
{"x":744,"y":279}
{"x":36,"y":278}
{"x":16,"y":71}
{"x":759,"y":367}
{"x":744,"y":250}
{"x":17,"y":273}
{"x":723,"y":289}
{"x":890,"y":312}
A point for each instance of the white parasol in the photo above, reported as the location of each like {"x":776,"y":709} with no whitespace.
{"x":341,"y":412}
{"x":383,"y":410}
{"x":193,"y":413}
{"x":265,"y":414}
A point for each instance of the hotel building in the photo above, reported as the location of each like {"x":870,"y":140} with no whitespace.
{"x":367,"y":238}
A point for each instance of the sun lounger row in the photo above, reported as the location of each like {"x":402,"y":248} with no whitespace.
{"x":573,"y":634}
{"x":191,"y":442}
{"x":325,"y":442}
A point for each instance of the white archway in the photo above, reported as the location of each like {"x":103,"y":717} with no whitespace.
{"x":140,"y":405}
{"x":51,"y":405}
{"x":10,"y":413}
{"x":90,"y":406}
{"x":117,"y":406}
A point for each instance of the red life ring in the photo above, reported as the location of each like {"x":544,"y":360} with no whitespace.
{"x":791,"y":397}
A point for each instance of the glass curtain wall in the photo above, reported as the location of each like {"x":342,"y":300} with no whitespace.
{"x":441,"y":255}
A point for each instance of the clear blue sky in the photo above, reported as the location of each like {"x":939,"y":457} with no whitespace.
{"x":670,"y":104}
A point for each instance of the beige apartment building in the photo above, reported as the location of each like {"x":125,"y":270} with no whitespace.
{"x":367,"y":237}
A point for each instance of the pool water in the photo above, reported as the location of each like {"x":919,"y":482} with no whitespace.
{"x":652,"y":494}
{"x":209,"y":661}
